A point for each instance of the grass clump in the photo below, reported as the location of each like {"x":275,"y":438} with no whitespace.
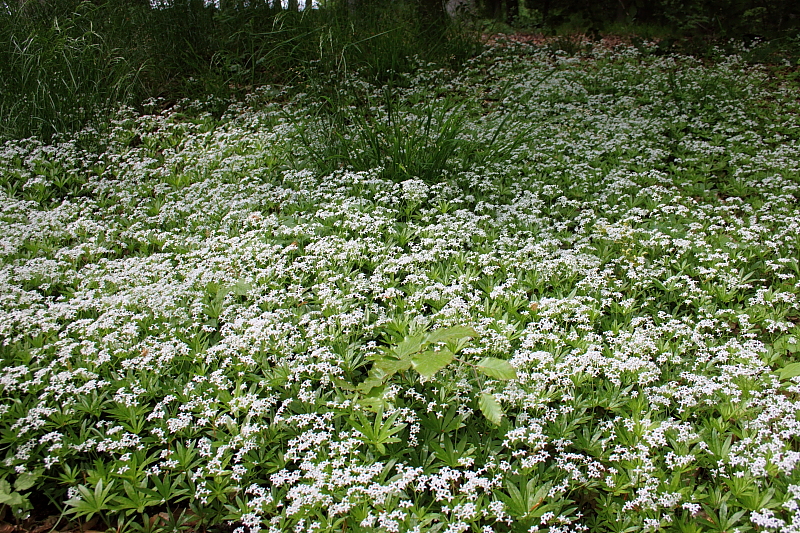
{"x":59,"y":72}
{"x":66,"y":66}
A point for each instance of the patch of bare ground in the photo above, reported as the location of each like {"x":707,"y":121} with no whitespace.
{"x":606,"y":41}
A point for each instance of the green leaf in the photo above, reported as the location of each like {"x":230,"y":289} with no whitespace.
{"x":450,"y":334}
{"x":342,"y":384}
{"x":91,"y":502}
{"x":496,"y":368}
{"x":15,"y":499}
{"x":5,"y":487}
{"x":391,"y":366}
{"x":430,"y":362}
{"x":375,"y":378}
{"x":241,"y":288}
{"x":789,"y":371}
{"x":408,"y":346}
{"x":374,"y":403}
{"x":136,"y":499}
{"x":514,"y":499}
{"x":165,"y":489}
{"x":490,"y":408}
{"x":26,"y":480}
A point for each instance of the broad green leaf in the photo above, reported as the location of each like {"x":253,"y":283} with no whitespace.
{"x":15,"y":499}
{"x":408,"y":346}
{"x":490,"y":408}
{"x":368,"y":384}
{"x":391,"y":366}
{"x":450,"y":334}
{"x":5,"y":487}
{"x":789,"y":371}
{"x":430,"y":362}
{"x":26,"y":481}
{"x":342,"y":384}
{"x":373,"y":399}
{"x":496,"y":368}
{"x":375,"y":403}
{"x":377,"y":372}
{"x":241,"y":288}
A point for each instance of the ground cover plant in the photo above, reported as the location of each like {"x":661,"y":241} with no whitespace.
{"x":547,"y":292}
{"x":69,"y":64}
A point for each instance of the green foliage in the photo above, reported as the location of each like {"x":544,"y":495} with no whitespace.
{"x":58,"y":73}
{"x":408,"y":144}
{"x":427,"y":354}
{"x":422,"y":351}
{"x":66,"y":66}
{"x":490,"y":408}
{"x":379,"y":433}
{"x":496,"y":368}
{"x":409,"y":139}
{"x":12,"y":497}
{"x":92,"y":502}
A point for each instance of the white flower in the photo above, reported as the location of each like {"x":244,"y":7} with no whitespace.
{"x":414,"y":190}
